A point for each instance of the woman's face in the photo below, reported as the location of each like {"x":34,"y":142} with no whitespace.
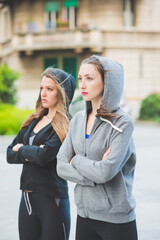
{"x":90,"y":82}
{"x":49,"y":93}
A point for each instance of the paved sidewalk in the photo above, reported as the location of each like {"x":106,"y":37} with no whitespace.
{"x":146,"y":187}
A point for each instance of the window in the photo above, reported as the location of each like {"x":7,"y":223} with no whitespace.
{"x":50,"y":62}
{"x":51,"y":14}
{"x":128,"y":12}
{"x":69,"y":12}
{"x":70,"y":66}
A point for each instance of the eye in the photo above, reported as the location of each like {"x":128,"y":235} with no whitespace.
{"x":79,"y":79}
{"x":89,"y":78}
{"x":50,"y":89}
{"x":41,"y":88}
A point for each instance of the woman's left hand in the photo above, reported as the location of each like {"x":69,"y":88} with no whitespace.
{"x":41,"y":146}
{"x":17,"y":147}
{"x":106,"y":153}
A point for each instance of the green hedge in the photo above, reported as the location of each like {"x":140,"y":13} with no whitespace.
{"x":11,"y":119}
{"x":8,"y":89}
{"x":150,"y":108}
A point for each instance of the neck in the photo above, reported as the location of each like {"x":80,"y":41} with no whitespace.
{"x":51,"y":113}
{"x":95,"y":105}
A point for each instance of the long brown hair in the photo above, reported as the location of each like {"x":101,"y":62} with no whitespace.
{"x":102,"y":111}
{"x":60,"y":121}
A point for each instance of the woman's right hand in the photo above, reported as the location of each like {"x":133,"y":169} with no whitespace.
{"x":106,"y":153}
{"x":17,"y":147}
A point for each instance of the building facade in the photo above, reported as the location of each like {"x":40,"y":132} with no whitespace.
{"x":40,"y":33}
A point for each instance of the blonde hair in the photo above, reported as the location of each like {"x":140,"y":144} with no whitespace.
{"x":60,"y":121}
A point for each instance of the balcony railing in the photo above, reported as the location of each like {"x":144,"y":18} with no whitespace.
{"x":93,"y":39}
{"x":66,"y":39}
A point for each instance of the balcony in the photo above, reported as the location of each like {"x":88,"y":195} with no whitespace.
{"x":94,"y":40}
{"x":55,"y":40}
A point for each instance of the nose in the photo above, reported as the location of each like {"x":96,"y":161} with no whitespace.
{"x":82,"y":84}
{"x":43,"y":93}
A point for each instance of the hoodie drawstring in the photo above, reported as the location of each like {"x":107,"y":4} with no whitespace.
{"x":113,"y":126}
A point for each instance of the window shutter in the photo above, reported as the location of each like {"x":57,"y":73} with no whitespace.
{"x":70,"y":3}
{"x":52,"y":6}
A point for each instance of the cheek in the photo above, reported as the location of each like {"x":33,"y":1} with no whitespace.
{"x":55,"y":96}
{"x":100,"y":88}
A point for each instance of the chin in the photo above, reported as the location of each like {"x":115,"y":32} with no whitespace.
{"x":86,"y":98}
{"x":45,"y":105}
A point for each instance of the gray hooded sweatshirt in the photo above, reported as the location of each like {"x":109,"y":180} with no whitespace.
{"x":103,"y":188}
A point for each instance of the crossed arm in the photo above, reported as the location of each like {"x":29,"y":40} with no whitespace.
{"x":19,"y":145}
{"x":19,"y":153}
{"x":71,"y":166}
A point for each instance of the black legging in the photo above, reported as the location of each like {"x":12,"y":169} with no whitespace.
{"x":40,"y":218}
{"x":89,"y":229}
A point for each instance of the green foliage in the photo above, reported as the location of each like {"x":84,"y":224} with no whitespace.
{"x":150,"y":108}
{"x":7,"y":87}
{"x":11,"y":119}
{"x":79,"y":98}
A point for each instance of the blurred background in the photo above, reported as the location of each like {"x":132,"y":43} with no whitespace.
{"x":35,"y":34}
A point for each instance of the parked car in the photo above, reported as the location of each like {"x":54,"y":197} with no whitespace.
{"x":78,"y":105}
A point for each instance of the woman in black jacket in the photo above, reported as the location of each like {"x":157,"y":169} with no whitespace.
{"x":44,"y":211}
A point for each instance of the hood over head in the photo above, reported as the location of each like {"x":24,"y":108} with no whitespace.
{"x":113,"y":83}
{"x":67,"y":81}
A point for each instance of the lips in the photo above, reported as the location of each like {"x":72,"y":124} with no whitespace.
{"x":44,"y":100}
{"x":84,"y":93}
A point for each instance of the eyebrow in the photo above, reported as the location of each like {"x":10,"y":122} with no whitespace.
{"x":47,"y":86}
{"x":88,"y":74}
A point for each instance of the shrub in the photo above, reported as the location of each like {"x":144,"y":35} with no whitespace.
{"x":7,"y":88}
{"x":150,"y":108}
{"x":11,"y":119}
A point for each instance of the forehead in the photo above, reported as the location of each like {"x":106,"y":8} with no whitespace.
{"x":87,"y":68}
{"x":47,"y":81}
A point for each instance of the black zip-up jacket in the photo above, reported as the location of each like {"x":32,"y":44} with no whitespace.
{"x":39,"y":173}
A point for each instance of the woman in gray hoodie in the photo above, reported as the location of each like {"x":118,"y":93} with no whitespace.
{"x":98,"y":155}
